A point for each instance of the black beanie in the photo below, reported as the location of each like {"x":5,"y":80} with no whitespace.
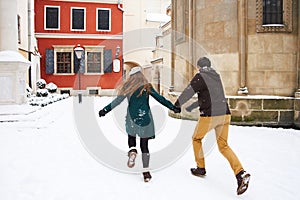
{"x":202,"y":62}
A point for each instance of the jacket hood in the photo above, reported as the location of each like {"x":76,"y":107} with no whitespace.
{"x":209,"y":71}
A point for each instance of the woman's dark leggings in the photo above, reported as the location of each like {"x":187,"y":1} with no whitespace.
{"x":144,"y":148}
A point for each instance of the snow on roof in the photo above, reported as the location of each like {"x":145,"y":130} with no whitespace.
{"x":157,"y":17}
{"x":12,"y":56}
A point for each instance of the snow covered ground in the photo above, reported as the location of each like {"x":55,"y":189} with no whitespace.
{"x":44,"y":158}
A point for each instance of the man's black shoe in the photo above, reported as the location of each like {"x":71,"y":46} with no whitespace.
{"x":198,"y":171}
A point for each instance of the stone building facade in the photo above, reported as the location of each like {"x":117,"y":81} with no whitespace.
{"x":256,"y":52}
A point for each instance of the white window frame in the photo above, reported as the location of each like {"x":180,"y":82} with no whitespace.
{"x":97,"y":49}
{"x":63,"y":48}
{"x":45,"y":17}
{"x":97,"y":17}
{"x":71,"y":17}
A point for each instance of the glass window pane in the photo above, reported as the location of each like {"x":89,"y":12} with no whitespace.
{"x":93,"y":62}
{"x":63,"y":62}
{"x":273,"y":12}
{"x":103,"y":20}
{"x":52,"y":17}
{"x":78,"y":19}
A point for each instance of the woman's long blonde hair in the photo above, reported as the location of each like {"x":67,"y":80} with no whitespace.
{"x":132,"y":83}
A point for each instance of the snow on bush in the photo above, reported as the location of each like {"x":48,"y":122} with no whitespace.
{"x":45,"y":94}
{"x":51,"y":87}
{"x":29,"y":91}
{"x":44,"y":101}
{"x":42,"y":93}
{"x":41,"y":83}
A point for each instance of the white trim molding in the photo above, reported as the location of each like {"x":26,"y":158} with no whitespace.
{"x":96,"y":1}
{"x":78,"y":36}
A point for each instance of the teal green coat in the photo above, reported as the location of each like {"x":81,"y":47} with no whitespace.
{"x":139,"y":120}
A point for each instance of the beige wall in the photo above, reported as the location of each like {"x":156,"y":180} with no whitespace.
{"x":272,"y":58}
{"x":217,"y":21}
{"x":139,"y":32}
{"x":225,"y":31}
{"x":211,"y":29}
{"x":23,"y":13}
{"x":162,"y":59}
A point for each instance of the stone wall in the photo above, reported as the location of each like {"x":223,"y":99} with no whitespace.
{"x":271,"y":56}
{"x":262,"y":111}
{"x":217,"y":35}
{"x":297,"y":113}
{"x":262,"y":59}
{"x":245,"y":53}
{"x":254,"y":111}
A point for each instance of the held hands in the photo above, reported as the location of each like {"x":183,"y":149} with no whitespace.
{"x":102,"y":113}
{"x":176,"y":109}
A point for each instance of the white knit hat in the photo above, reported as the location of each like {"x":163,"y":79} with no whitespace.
{"x":135,"y":70}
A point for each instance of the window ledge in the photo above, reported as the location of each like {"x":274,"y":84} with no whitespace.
{"x":270,"y":25}
{"x":103,"y":30}
{"x":79,"y":30}
{"x":63,"y":74}
{"x":93,"y":74}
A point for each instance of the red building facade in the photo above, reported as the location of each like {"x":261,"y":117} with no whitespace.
{"x":97,"y":27}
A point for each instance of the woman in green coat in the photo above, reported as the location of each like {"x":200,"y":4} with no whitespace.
{"x":139,"y":120}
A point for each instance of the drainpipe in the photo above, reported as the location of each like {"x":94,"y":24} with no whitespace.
{"x":119,"y":6}
{"x":30,"y":32}
{"x":297,"y":94}
{"x":191,"y":38}
{"x":172,"y":47}
{"x":121,"y":9}
{"x":242,"y":26}
{"x":29,"y":29}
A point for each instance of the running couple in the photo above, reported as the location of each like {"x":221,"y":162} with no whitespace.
{"x":214,"y":114}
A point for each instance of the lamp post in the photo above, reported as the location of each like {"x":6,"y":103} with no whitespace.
{"x":79,"y":52}
{"x":116,"y":61}
{"x":118,"y":48}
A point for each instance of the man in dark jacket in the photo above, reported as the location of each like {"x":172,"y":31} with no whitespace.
{"x":214,"y":114}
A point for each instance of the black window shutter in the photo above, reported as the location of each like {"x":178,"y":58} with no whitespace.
{"x":49,"y":61}
{"x":108,"y":61}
